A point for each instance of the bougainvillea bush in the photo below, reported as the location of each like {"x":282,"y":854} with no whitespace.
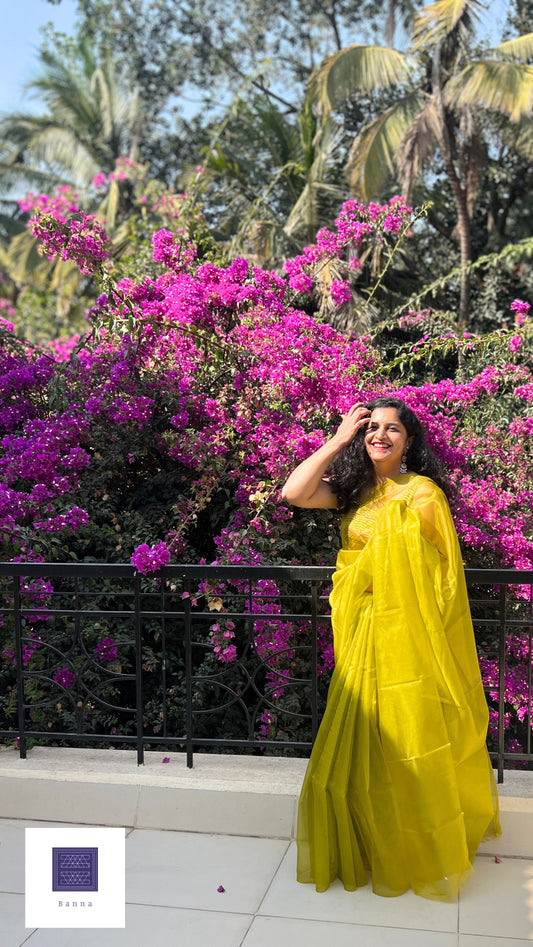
{"x":165,"y":436}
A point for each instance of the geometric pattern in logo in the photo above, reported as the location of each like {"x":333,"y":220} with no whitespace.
{"x":74,"y":869}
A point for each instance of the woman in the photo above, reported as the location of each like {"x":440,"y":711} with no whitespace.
{"x":399,"y":780}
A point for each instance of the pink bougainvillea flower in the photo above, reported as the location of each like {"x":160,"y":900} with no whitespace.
{"x":340,"y":292}
{"x":65,"y":677}
{"x":99,"y":180}
{"x":106,"y":649}
{"x":150,"y":558}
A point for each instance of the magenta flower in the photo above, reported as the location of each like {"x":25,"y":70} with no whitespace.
{"x":82,"y":239}
{"x":150,"y":558}
{"x":106,"y":649}
{"x":28,"y":648}
{"x":521,"y":309}
{"x":301,"y":283}
{"x":340,"y":292}
{"x":71,"y":519}
{"x":173,"y":252}
{"x":65,"y":677}
{"x":99,"y":180}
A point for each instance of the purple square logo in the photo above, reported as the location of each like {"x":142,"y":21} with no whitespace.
{"x":74,"y":869}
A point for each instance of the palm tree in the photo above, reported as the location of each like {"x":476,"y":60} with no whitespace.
{"x":277,"y":178}
{"x":92,"y":117}
{"x":442,"y":92}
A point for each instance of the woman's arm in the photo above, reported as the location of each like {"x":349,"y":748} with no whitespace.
{"x":306,"y":487}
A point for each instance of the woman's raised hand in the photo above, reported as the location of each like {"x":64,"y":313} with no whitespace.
{"x":356,"y":418}
{"x":305,"y":486}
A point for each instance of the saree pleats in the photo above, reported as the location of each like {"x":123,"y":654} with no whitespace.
{"x":399,"y":780}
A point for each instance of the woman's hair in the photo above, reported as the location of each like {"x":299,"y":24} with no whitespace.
{"x":352,"y":471}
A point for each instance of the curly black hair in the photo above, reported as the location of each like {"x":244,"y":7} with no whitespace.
{"x":352,"y":471}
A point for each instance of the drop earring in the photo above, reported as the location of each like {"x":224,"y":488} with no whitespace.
{"x":403,"y":465}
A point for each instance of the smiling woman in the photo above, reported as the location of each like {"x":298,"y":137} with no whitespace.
{"x":399,"y":780}
{"x":387,"y":443}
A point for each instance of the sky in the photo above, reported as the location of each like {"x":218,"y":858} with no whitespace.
{"x":21,"y":19}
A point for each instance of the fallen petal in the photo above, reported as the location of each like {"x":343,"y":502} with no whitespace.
{"x":221,"y":889}
{"x":166,"y":759}
{"x":497,"y":860}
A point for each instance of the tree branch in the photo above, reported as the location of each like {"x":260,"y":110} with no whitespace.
{"x":204,"y":33}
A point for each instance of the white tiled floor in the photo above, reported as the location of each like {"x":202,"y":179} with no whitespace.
{"x":172,"y":899}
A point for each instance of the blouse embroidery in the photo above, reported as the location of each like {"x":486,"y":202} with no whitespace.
{"x":357,"y":525}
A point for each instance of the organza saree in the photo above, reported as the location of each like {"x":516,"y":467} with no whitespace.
{"x":399,"y":780}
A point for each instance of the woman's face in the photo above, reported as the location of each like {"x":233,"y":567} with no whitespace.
{"x":386,"y":440}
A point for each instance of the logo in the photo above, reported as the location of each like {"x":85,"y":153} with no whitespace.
{"x":75,"y":877}
{"x":74,"y":869}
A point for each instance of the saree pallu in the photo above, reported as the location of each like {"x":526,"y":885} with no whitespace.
{"x":399,"y":780}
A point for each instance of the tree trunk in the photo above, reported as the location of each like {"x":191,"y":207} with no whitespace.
{"x":459,"y":195}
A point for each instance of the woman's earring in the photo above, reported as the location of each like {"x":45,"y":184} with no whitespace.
{"x":403,"y":465}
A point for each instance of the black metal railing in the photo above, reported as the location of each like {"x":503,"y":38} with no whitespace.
{"x":100,"y":655}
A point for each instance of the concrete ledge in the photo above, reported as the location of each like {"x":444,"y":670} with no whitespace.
{"x":231,"y":795}
{"x":222,"y":794}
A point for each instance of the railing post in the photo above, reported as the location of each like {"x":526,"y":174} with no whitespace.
{"x":20,"y":665}
{"x":187,"y":616}
{"x":138,"y":669}
{"x":501,"y":683}
{"x":314,"y":660}
{"x":163,"y":659}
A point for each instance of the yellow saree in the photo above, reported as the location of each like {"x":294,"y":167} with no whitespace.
{"x":399,"y":780}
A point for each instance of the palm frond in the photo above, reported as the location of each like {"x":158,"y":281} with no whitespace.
{"x":65,"y":279}
{"x":417,"y":146}
{"x":520,"y":48}
{"x":15,"y":174}
{"x":358,"y":68}
{"x":519,"y":137}
{"x":109,"y":209}
{"x":305,"y":218}
{"x":103,"y":92}
{"x":10,"y":226}
{"x":435,"y":22}
{"x":490,"y":84}
{"x":93,"y":117}
{"x":307,"y":214}
{"x":373,"y":155}
{"x":269,"y":241}
{"x":23,"y":262}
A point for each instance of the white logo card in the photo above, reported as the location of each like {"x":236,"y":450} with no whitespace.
{"x":75,"y":877}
